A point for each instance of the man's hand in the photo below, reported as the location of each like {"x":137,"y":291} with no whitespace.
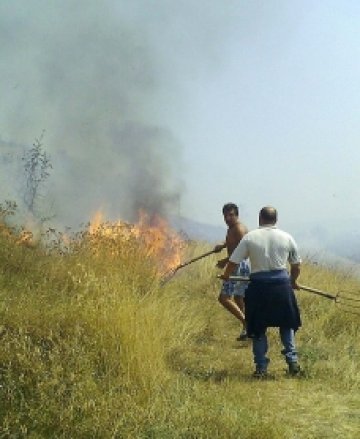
{"x":219,"y":247}
{"x":295,"y":285}
{"x":230,"y":267}
{"x":222,"y":263}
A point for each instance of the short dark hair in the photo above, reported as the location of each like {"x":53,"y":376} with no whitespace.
{"x":268,"y":214}
{"x":230,"y":206}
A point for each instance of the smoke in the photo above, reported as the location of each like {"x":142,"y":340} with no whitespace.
{"x":106,"y":80}
{"x":10,"y":169}
{"x":89,"y":74}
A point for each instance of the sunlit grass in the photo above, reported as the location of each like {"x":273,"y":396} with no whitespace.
{"x":91,"y":345}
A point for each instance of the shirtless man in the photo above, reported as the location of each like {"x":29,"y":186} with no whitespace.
{"x":232,"y":293}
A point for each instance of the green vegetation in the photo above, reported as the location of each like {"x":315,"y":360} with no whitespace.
{"x":92,"y":347}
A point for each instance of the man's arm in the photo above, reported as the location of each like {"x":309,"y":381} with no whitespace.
{"x":294,"y":274}
{"x":295,"y":261}
{"x":221,"y":263}
{"x":228,"y":270}
{"x":219,"y":247}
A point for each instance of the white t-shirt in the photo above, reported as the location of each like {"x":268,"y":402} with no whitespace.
{"x":268,"y":249}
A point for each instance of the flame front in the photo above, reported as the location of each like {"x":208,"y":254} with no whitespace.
{"x":157,"y":240}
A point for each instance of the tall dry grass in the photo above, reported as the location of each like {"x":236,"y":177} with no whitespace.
{"x":93,"y":347}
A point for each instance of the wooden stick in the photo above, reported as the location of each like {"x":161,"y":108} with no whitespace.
{"x":319,"y":292}
{"x":184,"y":264}
{"x":302,"y":287}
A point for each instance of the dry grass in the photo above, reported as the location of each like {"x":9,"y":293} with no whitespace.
{"x":91,"y":346}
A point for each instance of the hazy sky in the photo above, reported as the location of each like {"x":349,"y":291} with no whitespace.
{"x":276,"y":120}
{"x":185,"y":105}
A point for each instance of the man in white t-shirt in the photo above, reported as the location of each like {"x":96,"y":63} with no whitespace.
{"x":270,"y":300}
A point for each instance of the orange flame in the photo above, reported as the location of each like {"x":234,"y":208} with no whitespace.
{"x":96,"y":222}
{"x":158,"y":241}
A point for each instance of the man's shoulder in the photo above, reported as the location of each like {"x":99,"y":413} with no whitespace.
{"x":242,"y":227}
{"x":251,"y":235}
{"x":261,"y":232}
{"x":286,"y":236}
{"x":238,"y":228}
{"x":254,"y":232}
{"x":282,"y":232}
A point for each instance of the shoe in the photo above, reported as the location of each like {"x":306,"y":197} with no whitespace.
{"x":294,"y":369}
{"x":243,"y":336}
{"x":260,"y":373}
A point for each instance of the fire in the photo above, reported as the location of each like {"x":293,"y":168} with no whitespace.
{"x":160,"y":240}
{"x":96,"y":222}
{"x":26,"y":238}
{"x":156,"y":238}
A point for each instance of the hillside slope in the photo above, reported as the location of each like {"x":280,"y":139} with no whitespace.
{"x":93,"y":346}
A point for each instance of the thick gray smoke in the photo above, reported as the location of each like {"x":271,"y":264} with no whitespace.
{"x":88,"y":74}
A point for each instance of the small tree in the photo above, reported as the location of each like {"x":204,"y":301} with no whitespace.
{"x":7,"y":208}
{"x":37,"y":167}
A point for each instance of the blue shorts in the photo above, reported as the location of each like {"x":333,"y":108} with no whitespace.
{"x":235,"y":288}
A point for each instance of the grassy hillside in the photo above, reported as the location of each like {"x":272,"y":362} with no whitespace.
{"x":93,"y":347}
